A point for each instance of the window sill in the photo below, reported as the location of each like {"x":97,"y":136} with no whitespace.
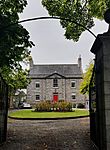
{"x":37,"y":100}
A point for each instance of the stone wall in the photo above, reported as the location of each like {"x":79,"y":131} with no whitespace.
{"x":46,"y":90}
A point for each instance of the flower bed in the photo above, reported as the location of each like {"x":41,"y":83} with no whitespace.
{"x":47,"y":106}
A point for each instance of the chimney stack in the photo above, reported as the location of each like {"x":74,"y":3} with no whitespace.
{"x":80,"y":62}
{"x":30,"y":62}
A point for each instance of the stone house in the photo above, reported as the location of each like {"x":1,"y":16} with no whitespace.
{"x":19,"y":98}
{"x":55,"y":82}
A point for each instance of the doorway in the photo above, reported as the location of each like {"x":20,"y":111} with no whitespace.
{"x":55,"y":97}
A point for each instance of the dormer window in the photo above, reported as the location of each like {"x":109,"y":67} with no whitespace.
{"x":55,"y":82}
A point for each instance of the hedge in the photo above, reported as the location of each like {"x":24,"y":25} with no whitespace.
{"x":61,"y":106}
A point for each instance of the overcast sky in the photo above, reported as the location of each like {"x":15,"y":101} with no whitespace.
{"x":50,"y":43}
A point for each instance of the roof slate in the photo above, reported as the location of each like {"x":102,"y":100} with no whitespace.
{"x":67,"y":70}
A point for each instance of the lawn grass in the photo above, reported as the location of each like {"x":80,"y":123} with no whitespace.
{"x":31,"y":114}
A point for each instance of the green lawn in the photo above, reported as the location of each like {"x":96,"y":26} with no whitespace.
{"x":31,"y":114}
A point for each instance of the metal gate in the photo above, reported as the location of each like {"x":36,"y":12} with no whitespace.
{"x":3,"y":109}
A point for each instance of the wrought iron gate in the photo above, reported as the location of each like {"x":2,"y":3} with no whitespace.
{"x":3,"y":109}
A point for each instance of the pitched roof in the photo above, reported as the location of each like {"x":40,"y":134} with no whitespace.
{"x":66,"y":70}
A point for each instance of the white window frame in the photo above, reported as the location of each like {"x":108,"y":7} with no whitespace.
{"x":73,"y":94}
{"x":36,"y":97}
{"x":55,"y":85}
{"x":38,"y":83}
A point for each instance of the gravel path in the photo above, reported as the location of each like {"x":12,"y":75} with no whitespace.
{"x":72,"y":134}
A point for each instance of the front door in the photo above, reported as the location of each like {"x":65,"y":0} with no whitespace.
{"x":55,"y":97}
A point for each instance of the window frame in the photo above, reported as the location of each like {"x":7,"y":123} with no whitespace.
{"x":37,"y":99}
{"x":55,"y":83}
{"x":38,"y":83}
{"x":73,"y":94}
{"x":73,"y":82}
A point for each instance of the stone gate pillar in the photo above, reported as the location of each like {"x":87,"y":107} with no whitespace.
{"x":101,"y":49}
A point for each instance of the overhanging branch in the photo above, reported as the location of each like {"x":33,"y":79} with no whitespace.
{"x":44,"y":18}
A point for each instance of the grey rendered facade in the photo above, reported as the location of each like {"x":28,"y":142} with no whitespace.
{"x":55,"y":82}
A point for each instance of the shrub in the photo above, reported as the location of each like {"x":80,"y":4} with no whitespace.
{"x":65,"y":106}
{"x":74,"y":105}
{"x":61,"y":101}
{"x":69,"y":106}
{"x":80,"y":105}
{"x":43,"y":106}
{"x":50,"y":106}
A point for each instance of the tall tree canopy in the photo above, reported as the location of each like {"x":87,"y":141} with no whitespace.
{"x":14,"y":44}
{"x":81,"y":11}
{"x":14,"y":40}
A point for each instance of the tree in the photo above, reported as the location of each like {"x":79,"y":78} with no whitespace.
{"x":81,"y":11}
{"x":14,"y":44}
{"x":84,"y":86}
{"x":14,"y":40}
{"x":16,"y":79}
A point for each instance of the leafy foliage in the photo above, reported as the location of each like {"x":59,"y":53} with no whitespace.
{"x":14,"y":44}
{"x":11,"y":8}
{"x":84,"y":87}
{"x":14,"y":40}
{"x":80,"y":105}
{"x":60,"y":106}
{"x":81,"y":11}
{"x":16,"y":79}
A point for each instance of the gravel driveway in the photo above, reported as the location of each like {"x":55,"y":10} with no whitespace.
{"x":71,"y":134}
